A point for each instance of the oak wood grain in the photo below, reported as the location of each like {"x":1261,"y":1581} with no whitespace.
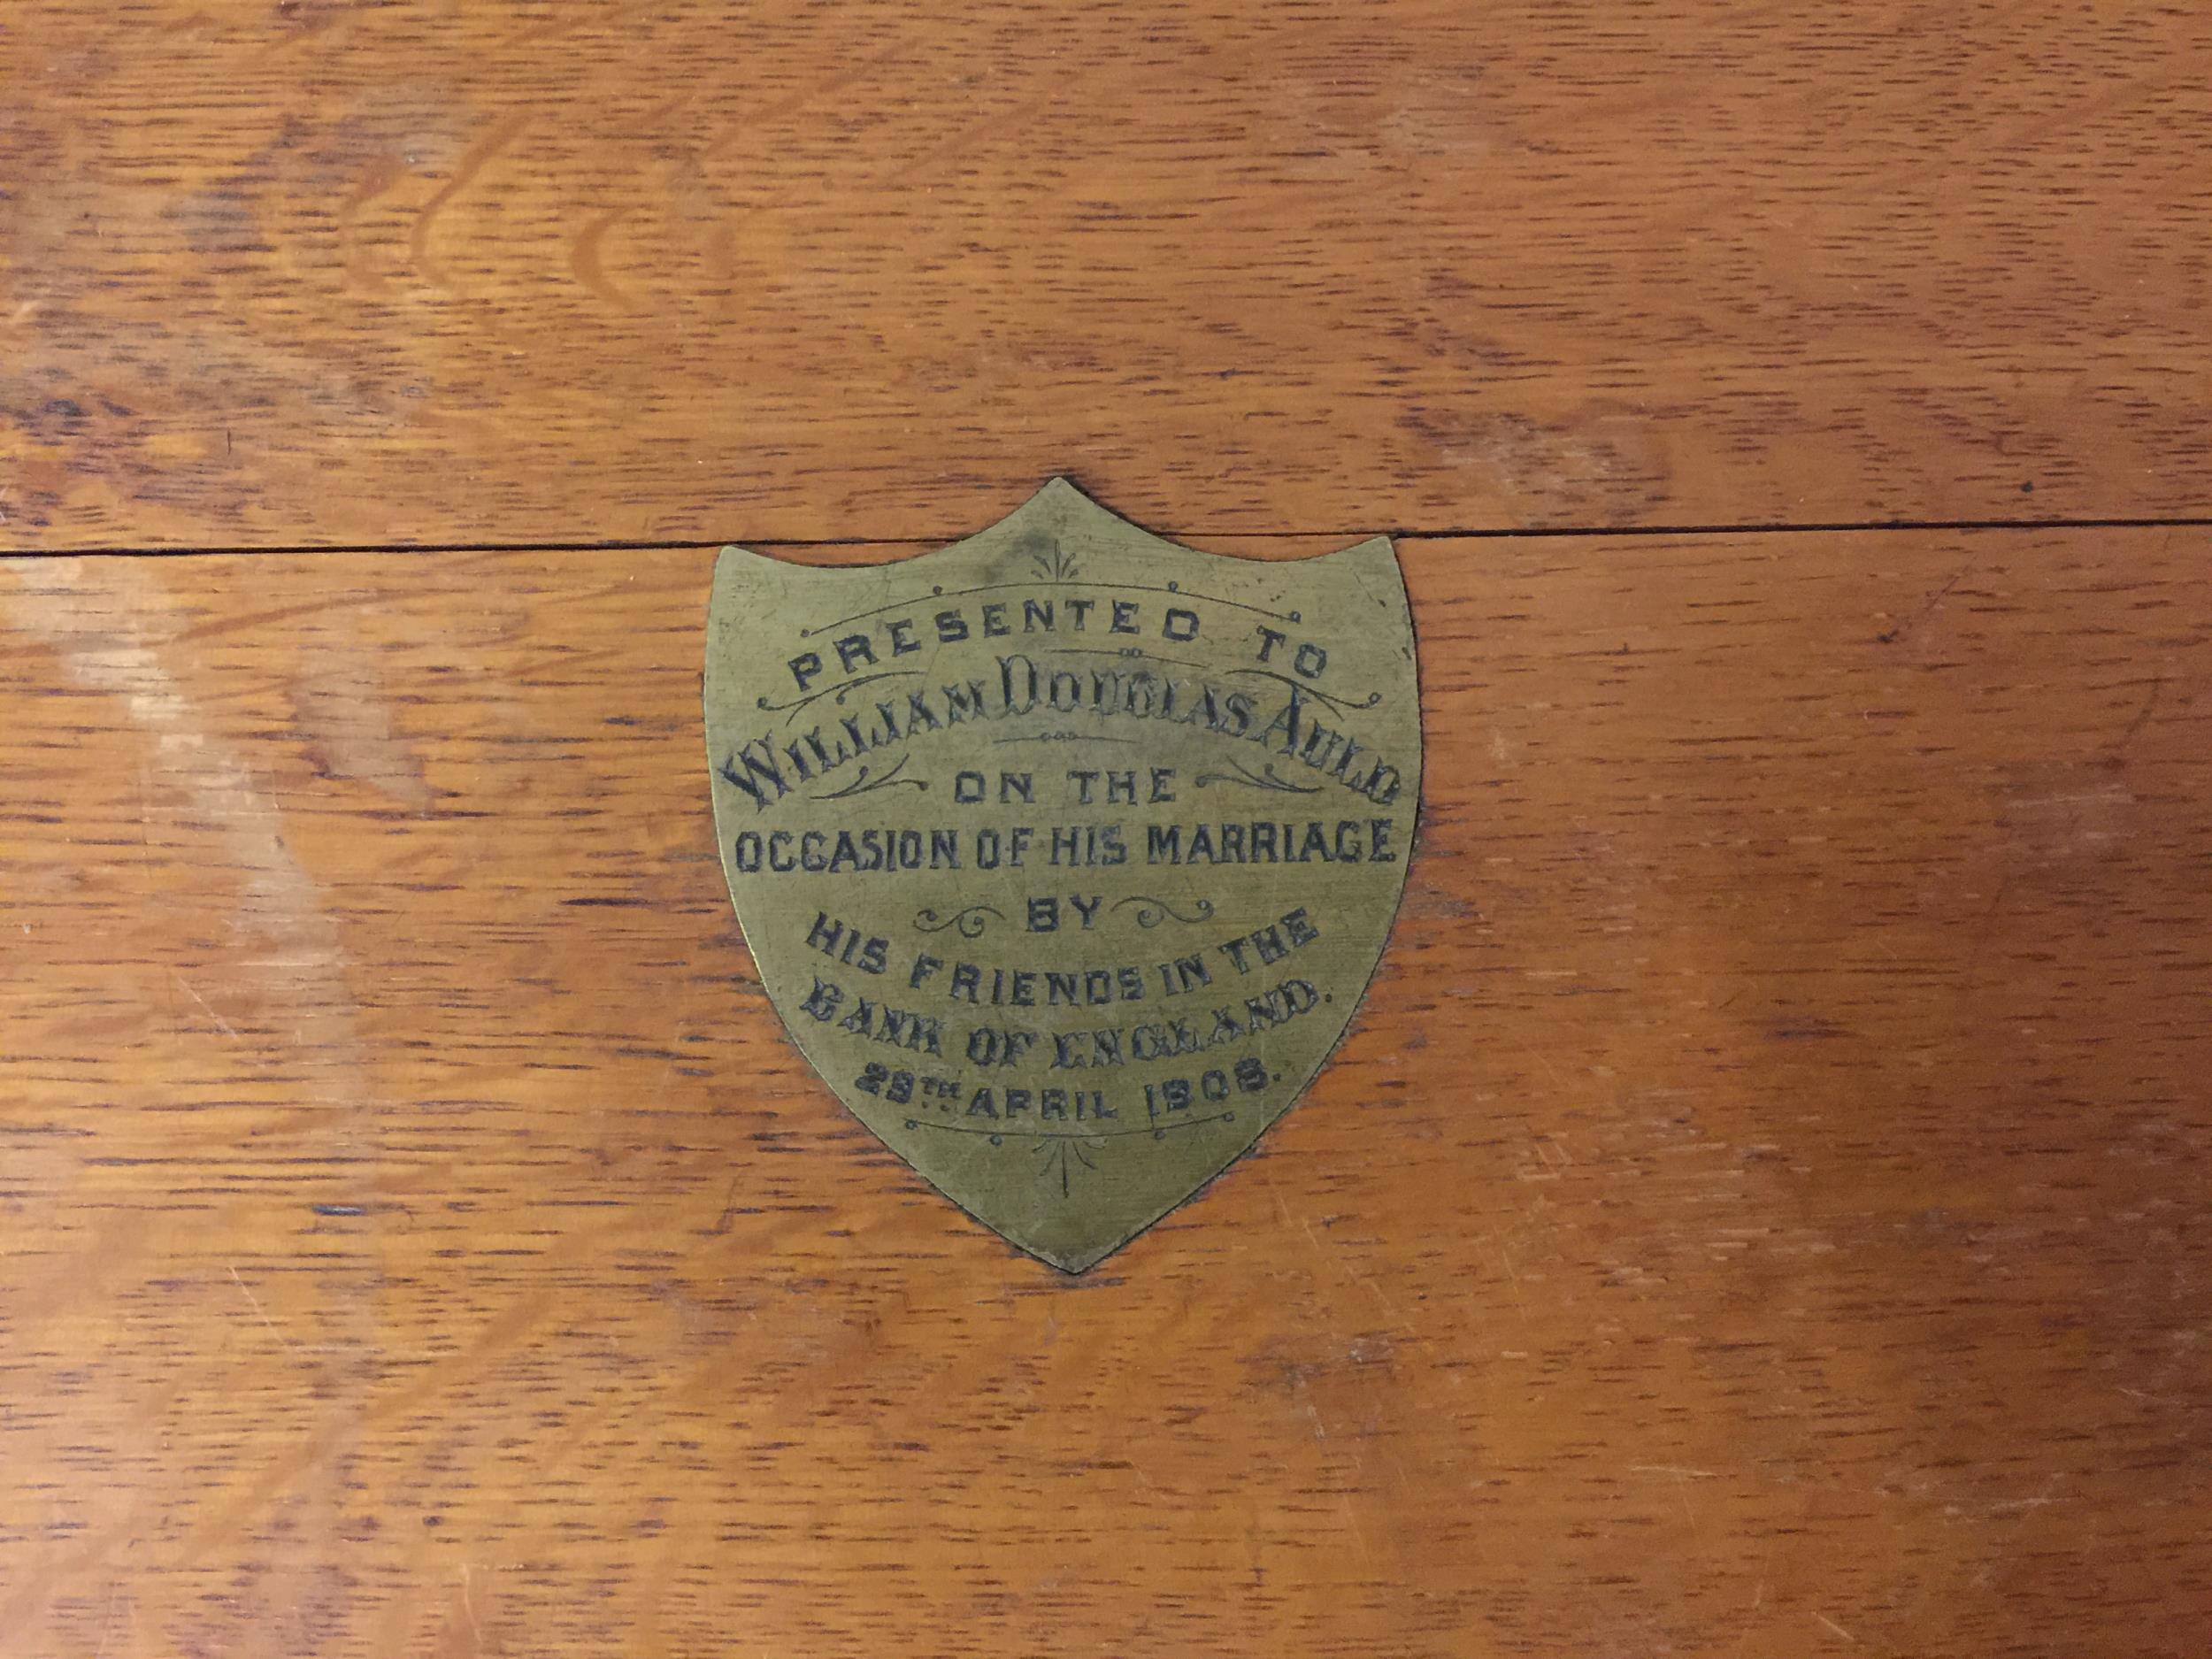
{"x":281,"y":272}
{"x":1759,"y":1210}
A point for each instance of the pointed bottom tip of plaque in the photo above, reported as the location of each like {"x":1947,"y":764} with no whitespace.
{"x":1072,"y":1262}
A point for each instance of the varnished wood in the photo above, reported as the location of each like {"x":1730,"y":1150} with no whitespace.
{"x":1758,"y":1209}
{"x":319,"y":273}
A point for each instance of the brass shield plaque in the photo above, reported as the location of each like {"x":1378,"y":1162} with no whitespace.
{"x":1065,"y":853}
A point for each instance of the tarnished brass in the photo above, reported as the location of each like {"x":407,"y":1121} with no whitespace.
{"x":1064,"y":852}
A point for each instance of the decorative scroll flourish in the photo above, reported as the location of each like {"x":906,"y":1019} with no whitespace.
{"x":1061,"y":737}
{"x":863,"y":782}
{"x":999,"y":1137}
{"x":970,"y":922}
{"x":1056,"y":1159}
{"x":789,"y":710}
{"x":1152,"y":911}
{"x":1266,"y":778}
{"x":1307,"y":688}
{"x":1127,"y":654}
{"x":1061,"y":1153}
{"x":1054,"y":561}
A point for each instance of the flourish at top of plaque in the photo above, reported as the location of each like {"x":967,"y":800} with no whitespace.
{"x":1065,"y":852}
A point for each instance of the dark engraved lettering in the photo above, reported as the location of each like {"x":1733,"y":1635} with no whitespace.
{"x":1271,"y":942}
{"x":822,"y":1001}
{"x":753,"y":769}
{"x":1088,"y":1047}
{"x":765,"y":767}
{"x":994,"y":973}
{"x":923,"y":1034}
{"x":964,"y":703}
{"x":1184,"y":975}
{"x":870,"y":954}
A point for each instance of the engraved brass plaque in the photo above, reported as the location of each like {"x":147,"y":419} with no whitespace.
{"x":1065,"y":853}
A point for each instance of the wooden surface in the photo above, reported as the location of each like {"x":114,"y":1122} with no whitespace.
{"x":1759,"y":1210}
{"x":285,"y":272}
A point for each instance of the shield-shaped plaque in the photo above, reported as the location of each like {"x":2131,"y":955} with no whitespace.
{"x":1064,"y":852}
